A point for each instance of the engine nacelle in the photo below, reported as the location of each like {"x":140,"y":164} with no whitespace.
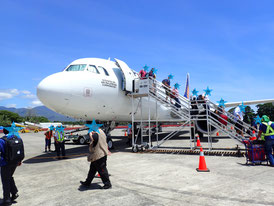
{"x":202,"y":126}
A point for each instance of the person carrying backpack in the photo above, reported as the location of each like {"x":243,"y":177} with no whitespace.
{"x":12,"y":154}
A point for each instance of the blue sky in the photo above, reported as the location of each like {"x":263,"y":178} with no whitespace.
{"x":226,"y":45}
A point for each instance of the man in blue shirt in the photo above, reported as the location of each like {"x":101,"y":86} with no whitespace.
{"x":266,"y":133}
{"x":7,"y":171}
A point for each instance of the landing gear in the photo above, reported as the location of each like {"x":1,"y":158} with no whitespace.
{"x":107,"y":128}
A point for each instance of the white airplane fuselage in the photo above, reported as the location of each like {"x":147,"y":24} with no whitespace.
{"x":89,"y":95}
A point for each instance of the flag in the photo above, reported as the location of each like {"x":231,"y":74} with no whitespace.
{"x":186,"y":95}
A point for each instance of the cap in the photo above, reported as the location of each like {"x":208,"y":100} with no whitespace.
{"x":265,"y":118}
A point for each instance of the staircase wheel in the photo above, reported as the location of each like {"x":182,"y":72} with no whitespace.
{"x":135,"y":149}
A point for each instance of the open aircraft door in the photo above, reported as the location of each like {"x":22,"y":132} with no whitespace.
{"x":128,"y":75}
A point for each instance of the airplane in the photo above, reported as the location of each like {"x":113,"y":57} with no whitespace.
{"x":27,"y":126}
{"x":43,"y":125}
{"x":94,"y":88}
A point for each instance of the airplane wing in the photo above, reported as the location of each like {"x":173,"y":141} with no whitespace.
{"x":235,"y":104}
{"x":33,"y":126}
{"x":19,"y":125}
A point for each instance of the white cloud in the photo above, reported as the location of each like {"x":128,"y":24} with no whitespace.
{"x":26,"y":92}
{"x":30,"y":96}
{"x":4,"y":95}
{"x":8,"y":94}
{"x":36,"y":103}
{"x":14,"y":92}
{"x":11,"y":105}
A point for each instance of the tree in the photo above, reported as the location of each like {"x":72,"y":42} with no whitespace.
{"x":36,"y":119}
{"x":266,"y":109}
{"x":7,"y":117}
{"x":249,"y":115}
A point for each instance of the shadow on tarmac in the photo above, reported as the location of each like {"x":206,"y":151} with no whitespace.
{"x":119,"y":142}
{"x":1,"y":202}
{"x":51,"y":156}
{"x":78,"y":151}
{"x":93,"y":186}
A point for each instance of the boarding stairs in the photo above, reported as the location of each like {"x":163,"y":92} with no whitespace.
{"x":230,"y":128}
{"x":184,"y":117}
{"x":157,"y":91}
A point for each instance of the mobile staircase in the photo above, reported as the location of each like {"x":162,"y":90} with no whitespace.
{"x":153,"y":94}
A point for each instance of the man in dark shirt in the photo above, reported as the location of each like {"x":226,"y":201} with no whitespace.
{"x":166,"y":82}
{"x":7,"y":171}
{"x":266,"y":132}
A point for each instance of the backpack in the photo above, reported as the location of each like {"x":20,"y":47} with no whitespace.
{"x":14,"y":149}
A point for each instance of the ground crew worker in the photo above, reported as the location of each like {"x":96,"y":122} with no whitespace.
{"x":60,"y":143}
{"x":98,"y":151}
{"x":266,"y":133}
{"x":10,"y":191}
{"x":48,"y":135}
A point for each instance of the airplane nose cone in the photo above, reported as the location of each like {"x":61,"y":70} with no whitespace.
{"x":53,"y":93}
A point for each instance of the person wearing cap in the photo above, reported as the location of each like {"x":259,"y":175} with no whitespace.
{"x":166,"y":83}
{"x":266,"y":133}
{"x":98,"y":151}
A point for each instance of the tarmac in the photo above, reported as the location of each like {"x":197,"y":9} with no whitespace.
{"x":140,"y":178}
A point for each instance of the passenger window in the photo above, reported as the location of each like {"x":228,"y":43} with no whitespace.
{"x":78,"y":67}
{"x":105,"y":71}
{"x":92,"y":68}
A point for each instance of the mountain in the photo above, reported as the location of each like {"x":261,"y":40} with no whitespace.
{"x":39,"y":111}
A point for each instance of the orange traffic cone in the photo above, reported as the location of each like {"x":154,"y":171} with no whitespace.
{"x":232,"y":127}
{"x":253,"y":136}
{"x":125,"y":133}
{"x":202,"y":163}
{"x":217,"y":134}
{"x":198,"y":141}
{"x":98,"y":175}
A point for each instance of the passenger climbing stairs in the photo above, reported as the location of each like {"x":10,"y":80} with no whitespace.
{"x":191,"y":114}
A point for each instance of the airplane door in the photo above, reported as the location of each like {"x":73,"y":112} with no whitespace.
{"x":128,"y":75}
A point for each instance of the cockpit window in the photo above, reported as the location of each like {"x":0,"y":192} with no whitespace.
{"x":77,"y":67}
{"x":104,"y":70}
{"x":92,"y":68}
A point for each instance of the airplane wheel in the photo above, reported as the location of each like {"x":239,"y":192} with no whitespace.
{"x":82,"y":140}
